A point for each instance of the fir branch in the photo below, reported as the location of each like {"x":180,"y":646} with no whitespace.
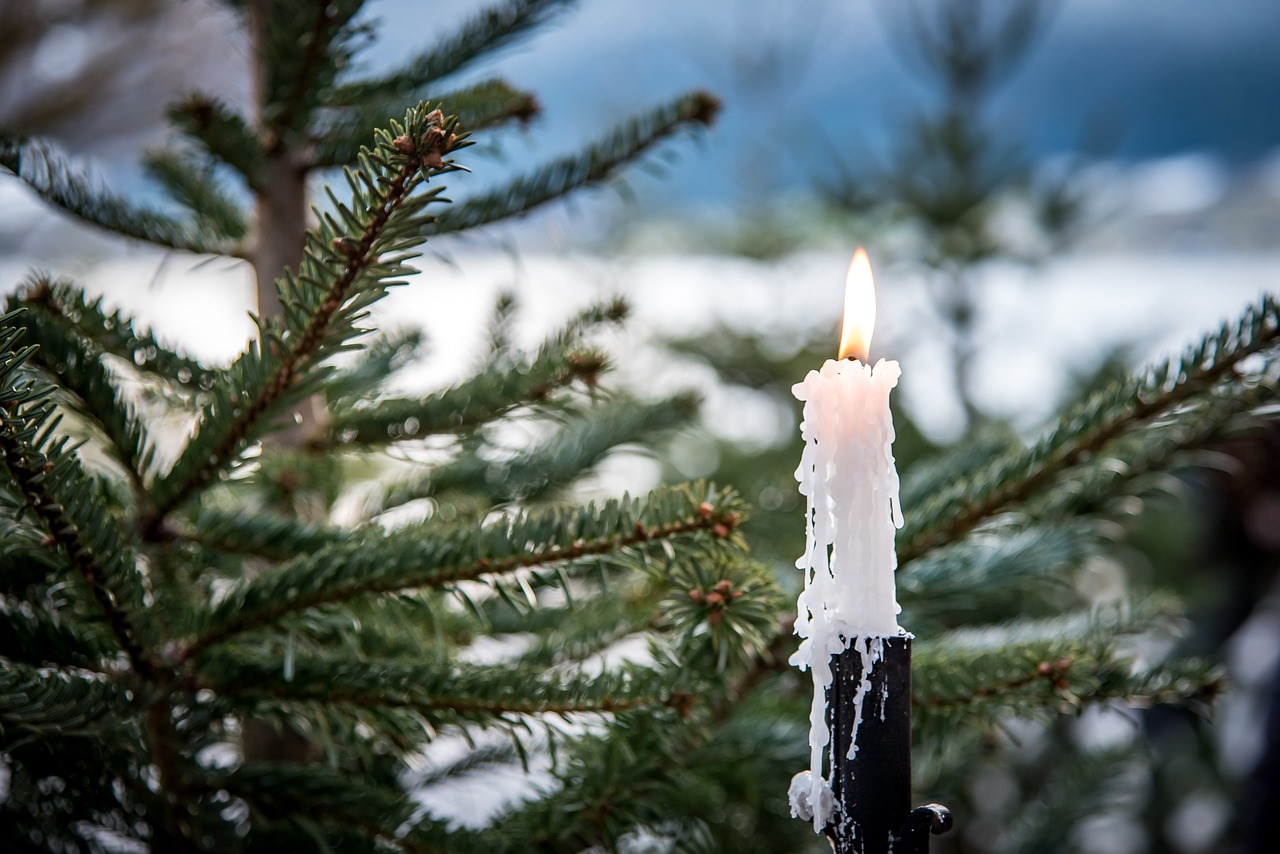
{"x":346,"y":267}
{"x":406,"y":559}
{"x":1065,"y":662}
{"x":54,"y":703}
{"x":75,"y":364}
{"x":959,"y":461}
{"x":280,"y":791}
{"x":264,"y":535}
{"x":490,"y":103}
{"x":117,"y":333}
{"x":373,"y":366}
{"x":43,"y":637}
{"x":223,"y":133}
{"x":27,"y":561}
{"x":738,"y":601}
{"x":1086,"y":430}
{"x":505,"y":384}
{"x":297,"y":70}
{"x":497,"y":754}
{"x":481,"y":105}
{"x":442,"y":692}
{"x":59,"y":494}
{"x":475,"y":401}
{"x":640,"y":772}
{"x":576,"y":447}
{"x":194,"y":185}
{"x":1078,"y":788}
{"x":992,"y":570}
{"x":1129,"y":461}
{"x":308,"y":42}
{"x":489,"y":31}
{"x":590,"y":626}
{"x":55,"y":180}
{"x":597,"y":163}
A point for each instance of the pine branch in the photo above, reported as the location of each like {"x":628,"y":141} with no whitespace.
{"x":442,"y":693}
{"x":350,"y":261}
{"x":481,"y":105}
{"x":194,"y":185}
{"x":1086,"y":430}
{"x":504,"y":385}
{"x":464,"y":407}
{"x":261,"y":534}
{"x":75,"y":363}
{"x":307,"y":44}
{"x":992,"y":571}
{"x":116,"y":333}
{"x":639,"y":773}
{"x":491,"y":103}
{"x":42,"y":638}
{"x":536,"y":472}
{"x":373,"y":366}
{"x":1079,"y":788}
{"x":281,"y":792}
{"x":1061,"y":663}
{"x":412,"y":558}
{"x":495,"y":28}
{"x":595,"y":164}
{"x":223,"y":133}
{"x":1130,"y":461}
{"x":57,"y":492}
{"x":55,"y":180}
{"x":52,"y":704}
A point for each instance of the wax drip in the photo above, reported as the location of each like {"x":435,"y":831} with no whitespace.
{"x":848,"y":478}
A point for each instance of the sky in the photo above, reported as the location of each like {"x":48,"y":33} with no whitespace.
{"x":814,"y":86}
{"x":811,"y":88}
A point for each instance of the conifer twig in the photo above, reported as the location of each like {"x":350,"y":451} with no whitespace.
{"x":1053,"y":674}
{"x":598,"y":163}
{"x":117,"y":333}
{"x":420,"y":157}
{"x":400,"y":570}
{"x":75,"y":365}
{"x":223,"y":133}
{"x":58,"y":182}
{"x":305,"y":76}
{"x":1098,"y":421}
{"x":485,"y":33}
{"x":25,"y":422}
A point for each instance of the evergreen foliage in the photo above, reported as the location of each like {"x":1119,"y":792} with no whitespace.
{"x":162,"y":606}
{"x":159,"y":611}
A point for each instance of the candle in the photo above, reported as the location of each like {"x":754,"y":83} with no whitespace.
{"x":848,"y":477}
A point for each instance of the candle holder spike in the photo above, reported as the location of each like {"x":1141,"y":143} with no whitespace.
{"x":870,"y":699}
{"x":913,"y":838}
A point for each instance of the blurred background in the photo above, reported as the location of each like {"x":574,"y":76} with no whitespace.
{"x":1051,"y":191}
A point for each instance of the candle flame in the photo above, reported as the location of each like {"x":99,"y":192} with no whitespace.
{"x":859,"y":309}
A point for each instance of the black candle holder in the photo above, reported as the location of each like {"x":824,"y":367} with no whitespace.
{"x":872,"y":792}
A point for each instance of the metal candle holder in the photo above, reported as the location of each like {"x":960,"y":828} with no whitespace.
{"x":872,"y":791}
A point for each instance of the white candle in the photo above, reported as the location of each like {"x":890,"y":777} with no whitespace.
{"x":848,"y":477}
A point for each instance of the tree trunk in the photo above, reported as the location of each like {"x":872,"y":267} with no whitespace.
{"x":280,"y":225}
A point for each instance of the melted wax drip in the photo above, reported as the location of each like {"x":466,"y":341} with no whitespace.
{"x":848,"y":477}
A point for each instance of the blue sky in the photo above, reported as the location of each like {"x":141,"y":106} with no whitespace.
{"x":809,"y":82}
